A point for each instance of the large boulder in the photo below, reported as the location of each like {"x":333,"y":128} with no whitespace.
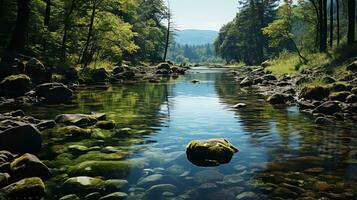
{"x":164,"y":66}
{"x":279,"y":98}
{"x":37,"y":71}
{"x":15,"y":85}
{"x":314,"y":93}
{"x":100,"y":75}
{"x":80,"y":120}
{"x":21,"y":139}
{"x":352,"y":66}
{"x":339,"y":96}
{"x":118,"y":69}
{"x":328,"y":108}
{"x":29,"y":188}
{"x":54,"y":92}
{"x":28,"y":166}
{"x":72,"y":133}
{"x":211,"y":152}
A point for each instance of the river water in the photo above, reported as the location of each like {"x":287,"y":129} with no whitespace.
{"x":283,"y":153}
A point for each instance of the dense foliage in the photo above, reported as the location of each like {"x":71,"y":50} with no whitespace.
{"x":82,"y":32}
{"x":193,"y":53}
{"x":263,"y":29}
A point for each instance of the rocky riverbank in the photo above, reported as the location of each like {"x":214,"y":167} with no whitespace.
{"x":335,"y":100}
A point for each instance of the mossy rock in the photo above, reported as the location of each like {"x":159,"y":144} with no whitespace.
{"x":314,"y":92}
{"x":29,"y":188}
{"x":15,"y":85}
{"x":71,"y":132}
{"x":339,"y":96}
{"x":338,"y":87}
{"x":70,"y":197}
{"x":352,"y":66}
{"x":328,"y":80}
{"x":82,"y":185}
{"x":80,"y":120}
{"x":108,"y":125}
{"x":115,"y":196}
{"x":118,"y":169}
{"x":27,"y":166}
{"x":164,"y":66}
{"x":211,"y":152}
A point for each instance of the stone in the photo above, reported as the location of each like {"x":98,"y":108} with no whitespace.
{"x":101,"y":168}
{"x":328,"y":108}
{"x":352,"y":66}
{"x":246,"y":82}
{"x":70,"y":197}
{"x":321,"y":186}
{"x":351,"y":98}
{"x":240,"y":105}
{"x":28,"y":166}
{"x":113,"y":185}
{"x":71,"y":74}
{"x":156,"y":191}
{"x":270,"y":77}
{"x":306,"y":105}
{"x":323,"y":120}
{"x":82,"y":185}
{"x":54,"y":92}
{"x":93,"y":196}
{"x":115,"y":196}
{"x":328,"y":79}
{"x":80,"y":120}
{"x":314,"y":93}
{"x":354,"y":90}
{"x":21,"y":139}
{"x":29,"y":188}
{"x":339,"y":96}
{"x":232,"y":179}
{"x":278,"y":99}
{"x":37,"y":71}
{"x":338,"y":87}
{"x":129,"y":75}
{"x":15,"y":86}
{"x":118,"y":69}
{"x":211,"y":152}
{"x":47,"y":124}
{"x":150,"y":180}
{"x":247,"y":196}
{"x":71,"y":132}
{"x":108,"y":125}
{"x":208,"y":176}
{"x":4,"y":179}
{"x":195,"y":81}
{"x":99,"y":75}
{"x":164,"y":66}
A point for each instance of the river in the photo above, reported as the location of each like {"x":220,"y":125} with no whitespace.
{"x":283,"y":153}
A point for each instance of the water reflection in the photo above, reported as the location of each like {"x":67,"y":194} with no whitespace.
{"x":282,"y":152}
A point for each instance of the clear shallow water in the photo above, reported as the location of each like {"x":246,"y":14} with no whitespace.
{"x":283,"y":153}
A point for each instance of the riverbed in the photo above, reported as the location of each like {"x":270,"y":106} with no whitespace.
{"x":282,"y":152}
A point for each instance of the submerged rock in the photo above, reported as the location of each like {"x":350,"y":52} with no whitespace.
{"x":106,"y":125}
{"x":21,"y":139}
{"x":328,"y":108}
{"x":82,"y":185}
{"x":156,"y":191}
{"x":115,"y":196}
{"x":101,"y":168}
{"x":80,"y":120}
{"x":211,"y":152}
{"x":54,"y":92}
{"x":29,"y":188}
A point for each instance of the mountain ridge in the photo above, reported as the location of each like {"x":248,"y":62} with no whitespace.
{"x":195,"y":36}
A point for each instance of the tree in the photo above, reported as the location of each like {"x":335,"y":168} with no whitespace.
{"x":331,"y":23}
{"x":47,"y":13}
{"x":281,"y":29}
{"x":19,"y":34}
{"x":338,"y":20}
{"x":351,"y":21}
{"x":168,"y":30}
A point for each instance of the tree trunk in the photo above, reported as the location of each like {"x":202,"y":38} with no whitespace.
{"x":317,"y":31}
{"x":331,"y":23}
{"x":324,"y":26}
{"x":85,"y":55}
{"x":66,"y":24}
{"x":167,"y":42}
{"x":351,"y":21}
{"x":338,"y":21}
{"x":48,"y":13}
{"x":19,"y":34}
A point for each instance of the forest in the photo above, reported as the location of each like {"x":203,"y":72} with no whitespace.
{"x":99,"y":100}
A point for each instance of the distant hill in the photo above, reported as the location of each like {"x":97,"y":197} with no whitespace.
{"x":195,"y":37}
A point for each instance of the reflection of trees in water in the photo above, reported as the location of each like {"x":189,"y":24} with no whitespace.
{"x":128,"y":105}
{"x":290,"y":138}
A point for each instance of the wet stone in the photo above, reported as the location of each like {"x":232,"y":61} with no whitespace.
{"x":115,"y":196}
{"x":247,"y":196}
{"x":208,"y":176}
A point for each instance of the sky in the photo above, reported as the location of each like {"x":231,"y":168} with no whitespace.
{"x":203,"y":14}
